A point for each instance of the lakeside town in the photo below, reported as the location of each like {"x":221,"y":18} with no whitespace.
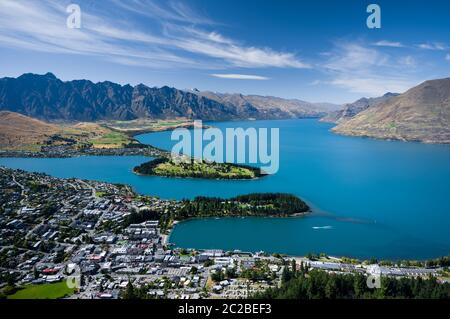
{"x":65,"y":151}
{"x":95,"y":240}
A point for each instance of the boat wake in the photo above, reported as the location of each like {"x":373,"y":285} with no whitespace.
{"x":322,"y":227}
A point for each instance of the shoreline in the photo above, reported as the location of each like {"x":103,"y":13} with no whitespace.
{"x":119,"y":151}
{"x":329,"y":258}
{"x":134,"y":133}
{"x":12,"y":153}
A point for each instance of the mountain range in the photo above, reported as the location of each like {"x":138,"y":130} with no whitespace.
{"x":270,"y":107}
{"x":48,"y":98}
{"x":420,"y":114}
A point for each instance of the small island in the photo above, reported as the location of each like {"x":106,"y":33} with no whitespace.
{"x":207,"y":170}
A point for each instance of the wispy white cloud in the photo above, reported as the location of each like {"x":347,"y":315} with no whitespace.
{"x":386,"y":43}
{"x":316,"y":82}
{"x":447,"y":57}
{"x":175,"y":38}
{"x":239,"y":76}
{"x":42,"y":27}
{"x":432,"y":46}
{"x":373,"y":85}
{"x":216,"y":46}
{"x":407,"y":60}
{"x":352,"y":57}
{"x":240,"y":56}
{"x":173,"y":11}
{"x":365,"y":70}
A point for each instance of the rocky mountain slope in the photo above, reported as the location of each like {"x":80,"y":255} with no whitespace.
{"x":46,"y":97}
{"x":351,"y":109}
{"x":420,"y":114}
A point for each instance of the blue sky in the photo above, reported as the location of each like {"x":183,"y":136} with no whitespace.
{"x":315,"y":51}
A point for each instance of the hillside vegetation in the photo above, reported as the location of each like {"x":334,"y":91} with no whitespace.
{"x":194,"y":169}
{"x":420,"y":114}
{"x":20,"y":132}
{"x":318,"y":284}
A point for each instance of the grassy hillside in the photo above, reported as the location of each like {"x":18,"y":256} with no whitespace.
{"x":420,"y":114}
{"x":20,"y":132}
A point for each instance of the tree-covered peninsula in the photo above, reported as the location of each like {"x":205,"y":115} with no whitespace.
{"x":208,"y":170}
{"x":257,"y":204}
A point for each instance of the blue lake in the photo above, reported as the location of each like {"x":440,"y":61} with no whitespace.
{"x":371,"y":198}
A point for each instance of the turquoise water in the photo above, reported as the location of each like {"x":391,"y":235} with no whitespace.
{"x":371,"y":198}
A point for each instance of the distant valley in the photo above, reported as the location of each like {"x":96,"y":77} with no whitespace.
{"x":352,"y":109}
{"x":269,"y":107}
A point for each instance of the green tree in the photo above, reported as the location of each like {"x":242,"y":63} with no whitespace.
{"x":35,"y":273}
{"x":330,"y":288}
{"x":129,"y":292}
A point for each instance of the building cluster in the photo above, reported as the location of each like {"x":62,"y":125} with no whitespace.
{"x":68,"y":150}
{"x":69,"y":229}
{"x":81,"y":232}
